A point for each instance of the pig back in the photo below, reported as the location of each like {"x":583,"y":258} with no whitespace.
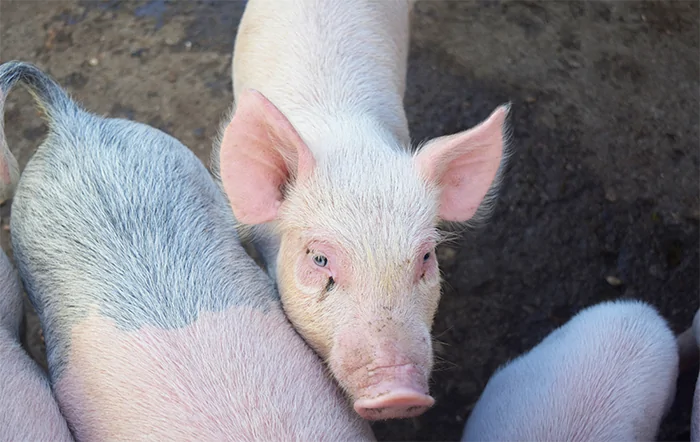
{"x":157,"y":323}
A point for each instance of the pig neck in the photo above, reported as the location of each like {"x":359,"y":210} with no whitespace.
{"x":334,"y":68}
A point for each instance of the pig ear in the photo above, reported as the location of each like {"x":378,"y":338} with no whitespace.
{"x":260,"y":152}
{"x":464,"y":165}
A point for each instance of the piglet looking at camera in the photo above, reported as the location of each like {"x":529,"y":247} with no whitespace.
{"x":317,"y":164}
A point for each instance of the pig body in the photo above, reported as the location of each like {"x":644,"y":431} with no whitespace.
{"x":28,"y":410}
{"x":689,"y":352}
{"x":317,"y":164}
{"x":609,"y":374}
{"x":158,"y":325}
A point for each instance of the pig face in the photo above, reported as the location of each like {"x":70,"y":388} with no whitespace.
{"x":359,"y":279}
{"x":357,"y":270}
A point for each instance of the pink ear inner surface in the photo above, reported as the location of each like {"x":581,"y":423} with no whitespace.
{"x":260,"y":152}
{"x":464,"y":165}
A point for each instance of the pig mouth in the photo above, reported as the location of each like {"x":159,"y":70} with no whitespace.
{"x":395,"y":392}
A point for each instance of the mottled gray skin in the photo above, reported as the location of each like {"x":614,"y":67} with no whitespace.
{"x":10,"y":299}
{"x":28,"y":410}
{"x":119,"y":219}
{"x":123,"y":216}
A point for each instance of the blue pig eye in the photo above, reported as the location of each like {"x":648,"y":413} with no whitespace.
{"x":426,"y":256}
{"x":320,"y":260}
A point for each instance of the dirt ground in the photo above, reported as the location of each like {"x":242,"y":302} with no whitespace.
{"x":601,"y":200}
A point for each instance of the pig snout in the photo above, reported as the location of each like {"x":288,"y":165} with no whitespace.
{"x":394,"y":392}
{"x":387,"y":378}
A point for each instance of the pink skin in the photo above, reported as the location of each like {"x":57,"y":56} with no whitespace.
{"x":239,"y":374}
{"x":28,"y":410}
{"x":392,"y":381}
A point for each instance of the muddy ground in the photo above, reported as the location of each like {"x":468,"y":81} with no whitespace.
{"x":601,"y":198}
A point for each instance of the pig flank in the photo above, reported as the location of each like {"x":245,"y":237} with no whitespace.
{"x":695,"y":416}
{"x":28,"y":410}
{"x":317,"y":166}
{"x":158,"y":324}
{"x":609,"y":374}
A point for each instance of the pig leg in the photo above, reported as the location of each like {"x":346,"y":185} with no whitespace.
{"x":28,"y":410}
{"x":609,"y":374}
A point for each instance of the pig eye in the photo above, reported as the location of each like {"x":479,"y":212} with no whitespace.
{"x":426,"y":256}
{"x":320,"y":260}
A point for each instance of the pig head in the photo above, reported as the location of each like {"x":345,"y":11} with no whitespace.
{"x":356,"y":267}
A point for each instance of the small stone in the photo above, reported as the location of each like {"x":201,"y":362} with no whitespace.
{"x":94,"y":61}
{"x":50,"y":37}
{"x":570,"y":62}
{"x":610,"y":195}
{"x":138,"y":52}
{"x":530,"y":99}
{"x":171,"y":77}
{"x":613,"y":281}
{"x":528,"y":309}
{"x":170,"y":41}
{"x":188,"y":45}
{"x":198,"y":133}
{"x":656,"y":271}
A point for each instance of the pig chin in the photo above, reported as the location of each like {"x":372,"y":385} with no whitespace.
{"x":383,"y":381}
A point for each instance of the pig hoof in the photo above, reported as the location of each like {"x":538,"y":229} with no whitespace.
{"x":396,"y":404}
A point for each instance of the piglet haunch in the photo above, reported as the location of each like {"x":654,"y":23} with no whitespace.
{"x":317,"y":164}
{"x":609,"y":374}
